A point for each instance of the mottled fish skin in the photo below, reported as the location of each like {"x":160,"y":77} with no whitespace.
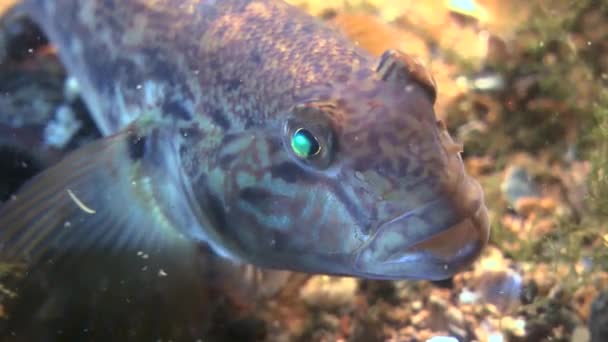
{"x":218,"y":88}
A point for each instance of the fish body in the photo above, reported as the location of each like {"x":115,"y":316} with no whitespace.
{"x":250,"y":128}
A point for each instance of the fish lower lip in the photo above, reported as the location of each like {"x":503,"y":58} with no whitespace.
{"x":432,"y":242}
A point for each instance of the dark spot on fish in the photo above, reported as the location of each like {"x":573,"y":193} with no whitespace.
{"x":363,"y":74}
{"x":192,"y":134}
{"x":363,"y":164}
{"x":176,"y":109}
{"x":233,"y":84}
{"x":256,"y":58}
{"x":214,"y":64}
{"x":136,"y":146}
{"x":216,"y":210}
{"x":324,"y":97}
{"x":403,"y":166}
{"x":351,"y":205}
{"x":309,"y":28}
{"x":274,"y":146}
{"x":288,"y":26}
{"x":230,"y":137}
{"x":219,"y":77}
{"x":225,"y":159}
{"x":248,"y":123}
{"x":290,"y":172}
{"x":318,"y":67}
{"x":218,"y":116}
{"x":221,"y":31}
{"x":255,"y":195}
{"x":385,"y":167}
{"x":342,"y":78}
{"x":418,"y":171}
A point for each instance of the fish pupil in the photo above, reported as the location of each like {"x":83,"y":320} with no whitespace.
{"x":304,"y":144}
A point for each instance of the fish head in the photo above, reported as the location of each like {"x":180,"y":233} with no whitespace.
{"x":363,"y":181}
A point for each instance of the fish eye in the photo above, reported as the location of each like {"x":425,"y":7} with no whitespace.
{"x":304,"y":144}
{"x":308,"y":135}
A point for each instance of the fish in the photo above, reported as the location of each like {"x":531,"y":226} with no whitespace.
{"x":251,"y":129}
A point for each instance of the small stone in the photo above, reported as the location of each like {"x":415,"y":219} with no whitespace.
{"x":420,"y":319}
{"x":515,"y":326}
{"x":399,"y":314}
{"x":583,"y":299}
{"x":598,"y":320}
{"x":517,"y":186}
{"x":456,"y":323}
{"x":329,"y":320}
{"x":496,"y":337}
{"x":526,"y":205}
{"x":548,"y":204}
{"x":468,"y":297}
{"x":367,"y":330}
{"x":480,"y":165}
{"x":329,"y":292}
{"x":442,"y":339}
{"x":416,"y":305}
{"x":580,"y":334}
{"x":455,"y":316}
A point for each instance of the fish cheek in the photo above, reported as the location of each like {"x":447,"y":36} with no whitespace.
{"x":239,"y":195}
{"x":266,"y":215}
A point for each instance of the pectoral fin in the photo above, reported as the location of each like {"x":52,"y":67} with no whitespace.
{"x":101,"y":199}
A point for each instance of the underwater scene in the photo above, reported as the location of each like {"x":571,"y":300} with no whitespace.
{"x":304,"y":170}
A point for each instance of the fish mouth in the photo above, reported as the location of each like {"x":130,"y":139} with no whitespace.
{"x":431,"y":242}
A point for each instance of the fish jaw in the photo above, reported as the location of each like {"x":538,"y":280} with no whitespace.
{"x":430,"y":242}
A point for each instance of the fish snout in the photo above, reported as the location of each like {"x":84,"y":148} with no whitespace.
{"x":433,"y":241}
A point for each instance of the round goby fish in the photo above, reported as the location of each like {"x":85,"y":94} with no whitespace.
{"x":249,"y":127}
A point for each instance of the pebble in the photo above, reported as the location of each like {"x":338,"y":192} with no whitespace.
{"x":580,"y":334}
{"x":442,"y":339}
{"x":329,"y":292}
{"x":500,"y":288}
{"x":518,"y":186}
{"x":598,"y":321}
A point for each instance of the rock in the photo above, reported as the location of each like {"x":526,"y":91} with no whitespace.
{"x":580,"y":334}
{"x":367,"y":330}
{"x":515,"y":326}
{"x":442,"y":339}
{"x":518,"y":188}
{"x":329,"y":292}
{"x":598,"y":321}
{"x":500,"y":288}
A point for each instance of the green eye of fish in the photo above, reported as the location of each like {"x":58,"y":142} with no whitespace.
{"x":304,"y":144}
